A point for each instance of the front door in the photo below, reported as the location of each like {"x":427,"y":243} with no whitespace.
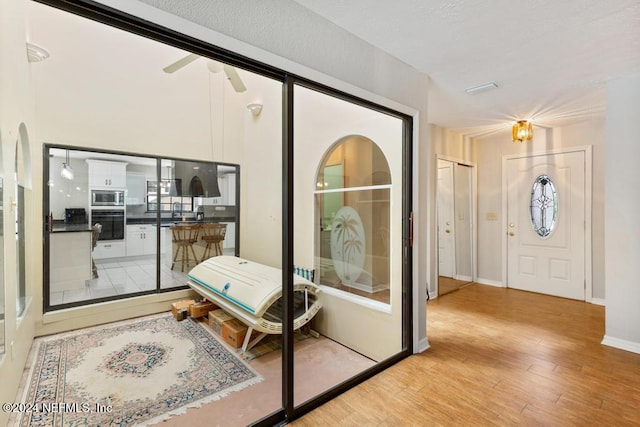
{"x":546,"y":224}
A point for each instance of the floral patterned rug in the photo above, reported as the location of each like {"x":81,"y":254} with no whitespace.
{"x":128,"y":373}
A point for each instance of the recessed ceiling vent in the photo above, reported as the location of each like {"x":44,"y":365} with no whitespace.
{"x":481,"y":87}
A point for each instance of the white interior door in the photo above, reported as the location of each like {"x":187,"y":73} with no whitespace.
{"x":446,"y":231}
{"x":546,"y":224}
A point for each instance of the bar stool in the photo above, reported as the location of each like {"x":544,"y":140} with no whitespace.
{"x":213,"y":234}
{"x":184,"y":237}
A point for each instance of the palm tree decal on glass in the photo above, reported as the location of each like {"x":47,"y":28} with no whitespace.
{"x":347,"y":245}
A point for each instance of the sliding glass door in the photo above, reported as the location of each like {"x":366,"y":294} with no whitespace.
{"x":348,"y":216}
{"x":309,"y":186}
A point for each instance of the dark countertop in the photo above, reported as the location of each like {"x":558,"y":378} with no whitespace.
{"x":167,"y":222}
{"x":70,"y":228}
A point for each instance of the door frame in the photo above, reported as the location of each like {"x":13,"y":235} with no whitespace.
{"x":474,"y":216}
{"x":588,"y":185}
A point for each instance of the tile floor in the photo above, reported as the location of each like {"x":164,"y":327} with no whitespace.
{"x":118,"y":276}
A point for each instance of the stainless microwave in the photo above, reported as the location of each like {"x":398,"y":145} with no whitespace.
{"x":107,"y":198}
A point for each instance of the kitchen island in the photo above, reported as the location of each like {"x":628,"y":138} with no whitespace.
{"x":169,"y":248}
{"x":69,"y":256}
{"x":221,"y":215}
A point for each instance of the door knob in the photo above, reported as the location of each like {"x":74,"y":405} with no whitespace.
{"x":511,"y":233}
{"x":447,"y":231}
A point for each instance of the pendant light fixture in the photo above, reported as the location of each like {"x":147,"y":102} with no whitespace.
{"x":522,"y":131}
{"x":67,"y":170}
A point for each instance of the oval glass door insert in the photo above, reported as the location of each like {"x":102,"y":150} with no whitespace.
{"x":544,"y":206}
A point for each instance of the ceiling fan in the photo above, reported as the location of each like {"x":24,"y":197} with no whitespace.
{"x":213,"y":66}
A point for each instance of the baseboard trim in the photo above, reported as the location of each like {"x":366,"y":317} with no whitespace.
{"x":421,"y":346}
{"x":599,"y":301}
{"x":631,"y":346}
{"x":482,"y":281}
{"x":464,"y":278}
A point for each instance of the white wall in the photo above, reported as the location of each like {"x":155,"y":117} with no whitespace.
{"x":261,"y":175}
{"x":94,"y":92}
{"x":622,"y":242}
{"x":489,"y":152}
{"x":16,"y":109}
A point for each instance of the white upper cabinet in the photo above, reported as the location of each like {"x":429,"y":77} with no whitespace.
{"x":136,"y":188}
{"x":228,"y":189}
{"x":106,"y":174}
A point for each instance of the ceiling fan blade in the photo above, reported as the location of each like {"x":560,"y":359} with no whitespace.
{"x":214,"y":66}
{"x":180,"y":63}
{"x":234,"y":78}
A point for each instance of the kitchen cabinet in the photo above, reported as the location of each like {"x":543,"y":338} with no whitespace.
{"x":230,"y":236}
{"x":107,"y":174}
{"x":141,"y":240}
{"x":69,"y":260}
{"x":136,"y":188}
{"x":228,"y":189}
{"x":109,"y":249}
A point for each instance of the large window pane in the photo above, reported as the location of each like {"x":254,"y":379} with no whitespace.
{"x":198,"y":212}
{"x":98,"y":247}
{"x":348,"y":216}
{"x":144,"y":99}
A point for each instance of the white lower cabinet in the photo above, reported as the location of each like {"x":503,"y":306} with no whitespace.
{"x":141,"y":240}
{"x":109,"y":249}
{"x":230,"y":236}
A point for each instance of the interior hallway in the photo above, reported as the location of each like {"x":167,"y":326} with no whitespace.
{"x":500,"y":357}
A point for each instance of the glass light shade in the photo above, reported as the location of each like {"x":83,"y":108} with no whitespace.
{"x":522,"y":131}
{"x":67,"y":171}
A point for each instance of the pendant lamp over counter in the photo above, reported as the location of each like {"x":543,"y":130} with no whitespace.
{"x":67,"y":171}
{"x":197,"y":187}
{"x":214,"y":191}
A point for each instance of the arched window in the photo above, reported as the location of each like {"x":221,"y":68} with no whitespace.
{"x":22,"y":180}
{"x":352,"y":206}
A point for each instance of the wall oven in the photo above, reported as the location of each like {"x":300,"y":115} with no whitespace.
{"x":112,"y":221}
{"x":107,"y":198}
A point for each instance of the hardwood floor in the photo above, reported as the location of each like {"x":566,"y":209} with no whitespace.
{"x":447,"y":284}
{"x":500,"y":357}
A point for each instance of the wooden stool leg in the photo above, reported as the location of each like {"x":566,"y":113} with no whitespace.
{"x":185,"y":257}
{"x":195,"y":258}
{"x":175,"y":257}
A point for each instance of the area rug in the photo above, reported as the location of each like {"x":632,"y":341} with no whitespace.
{"x":136,"y":372}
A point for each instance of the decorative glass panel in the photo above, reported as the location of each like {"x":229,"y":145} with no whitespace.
{"x":544,"y":206}
{"x":353,"y":194}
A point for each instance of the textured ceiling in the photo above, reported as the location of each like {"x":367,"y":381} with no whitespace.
{"x":551,"y":59}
